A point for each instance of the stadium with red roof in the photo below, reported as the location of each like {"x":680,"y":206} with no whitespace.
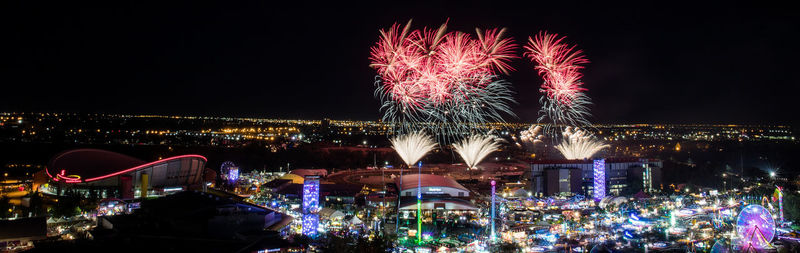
{"x":110,"y":174}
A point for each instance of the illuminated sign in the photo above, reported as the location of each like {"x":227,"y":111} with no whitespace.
{"x":434,"y":190}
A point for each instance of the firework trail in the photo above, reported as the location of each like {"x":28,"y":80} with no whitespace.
{"x":564,"y":102}
{"x":579,"y":144}
{"x":443,"y":82}
{"x":475,"y":148}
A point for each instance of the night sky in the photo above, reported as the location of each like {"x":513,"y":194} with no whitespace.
{"x":650,"y":63}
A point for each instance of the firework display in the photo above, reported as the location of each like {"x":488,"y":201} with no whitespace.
{"x":445,"y":82}
{"x":564,"y":102}
{"x":531,"y":137}
{"x":755,"y":228}
{"x":579,"y":144}
{"x":412,"y":147}
{"x":475,"y":148}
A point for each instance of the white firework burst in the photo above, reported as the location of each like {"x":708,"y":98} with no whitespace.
{"x":475,"y":148}
{"x":579,"y":144}
{"x":531,"y":137}
{"x":412,"y":147}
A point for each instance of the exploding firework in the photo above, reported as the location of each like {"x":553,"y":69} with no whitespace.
{"x":412,"y":147}
{"x":531,"y":137}
{"x":579,"y":144}
{"x":564,"y":102}
{"x":443,"y":82}
{"x":475,"y":148}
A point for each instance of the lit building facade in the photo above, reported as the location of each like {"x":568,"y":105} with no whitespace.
{"x":562,"y":181}
{"x":620,"y":175}
{"x":310,"y":205}
{"x":94,"y":173}
{"x":599,"y":185}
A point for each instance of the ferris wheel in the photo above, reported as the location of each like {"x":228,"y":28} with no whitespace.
{"x":755,"y":228}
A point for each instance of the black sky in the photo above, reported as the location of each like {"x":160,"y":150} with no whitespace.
{"x":658,"y":63}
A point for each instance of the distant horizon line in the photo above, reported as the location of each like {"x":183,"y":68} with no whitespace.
{"x":143,"y":115}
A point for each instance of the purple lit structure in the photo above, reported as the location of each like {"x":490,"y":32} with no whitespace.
{"x":491,"y":236}
{"x":755,"y":228}
{"x":233,"y":174}
{"x":229,"y":171}
{"x":599,"y":168}
{"x":310,"y":224}
{"x":310,"y":205}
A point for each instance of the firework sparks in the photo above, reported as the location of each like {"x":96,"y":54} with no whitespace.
{"x":531,"y":137}
{"x":564,"y":102}
{"x":579,"y":144}
{"x":445,"y":82}
{"x":475,"y":148}
{"x":412,"y":147}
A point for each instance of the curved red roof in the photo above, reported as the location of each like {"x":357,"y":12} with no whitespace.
{"x":86,"y":165}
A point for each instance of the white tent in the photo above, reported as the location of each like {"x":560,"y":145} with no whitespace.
{"x":330,"y":214}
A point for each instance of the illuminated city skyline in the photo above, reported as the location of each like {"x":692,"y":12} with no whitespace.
{"x":392,"y":127}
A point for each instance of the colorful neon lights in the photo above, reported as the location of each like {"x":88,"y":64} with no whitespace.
{"x":233,"y":174}
{"x":310,"y":224}
{"x":755,"y":228}
{"x":779,"y":195}
{"x":492,"y":235}
{"x":419,"y":203}
{"x":310,"y":205}
{"x":599,"y":168}
{"x":72,"y":180}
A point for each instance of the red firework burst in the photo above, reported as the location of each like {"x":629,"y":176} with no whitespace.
{"x":558,"y":64}
{"x":426,"y":66}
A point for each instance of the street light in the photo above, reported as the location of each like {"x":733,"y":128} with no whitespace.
{"x":724,"y":183}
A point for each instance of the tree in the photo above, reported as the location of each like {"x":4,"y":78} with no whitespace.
{"x":4,"y":207}
{"x":66,"y":207}
{"x":36,"y":205}
{"x":359,"y":244}
{"x":791,"y":206}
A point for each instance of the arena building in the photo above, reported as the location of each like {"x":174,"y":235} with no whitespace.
{"x":430,"y":185}
{"x":443,"y":200}
{"x":95,"y":173}
{"x":621,"y":176}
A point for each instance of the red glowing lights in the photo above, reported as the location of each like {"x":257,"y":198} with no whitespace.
{"x":77,"y":178}
{"x":558,"y":64}
{"x":428,"y":66}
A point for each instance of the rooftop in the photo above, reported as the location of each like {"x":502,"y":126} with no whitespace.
{"x":427,"y":180}
{"x":86,"y":165}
